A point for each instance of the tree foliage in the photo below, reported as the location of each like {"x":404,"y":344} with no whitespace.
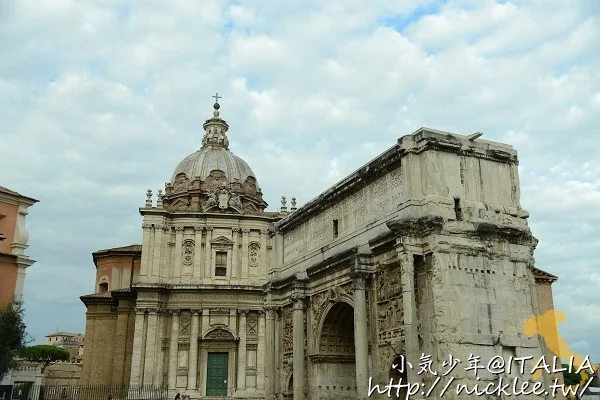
{"x":13,"y":336}
{"x":44,"y":353}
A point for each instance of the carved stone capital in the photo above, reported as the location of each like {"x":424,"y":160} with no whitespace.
{"x":264,"y":232}
{"x":299,"y":300}
{"x":179,"y":229}
{"x":173,"y":311}
{"x":209,"y":228}
{"x":147,"y":226}
{"x":153,"y":310}
{"x":270,"y":311}
{"x":243,"y":312}
{"x":198,"y":228}
{"x":140,"y":310}
{"x":196,"y":311}
{"x":235,"y":230}
{"x":245,"y":231}
{"x":359,"y":281}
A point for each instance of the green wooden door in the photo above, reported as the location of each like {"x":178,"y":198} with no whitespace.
{"x":216,"y":375}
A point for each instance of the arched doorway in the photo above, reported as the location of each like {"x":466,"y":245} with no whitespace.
{"x":336,"y":360}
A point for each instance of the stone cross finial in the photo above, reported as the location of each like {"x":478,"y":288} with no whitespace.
{"x":217,"y":97}
{"x":149,"y":198}
{"x":159,"y":203}
{"x":294,"y":208}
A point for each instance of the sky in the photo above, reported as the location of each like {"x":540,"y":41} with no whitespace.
{"x":100,"y":100}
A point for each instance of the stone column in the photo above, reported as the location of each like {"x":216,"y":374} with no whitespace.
{"x":158,"y":247}
{"x":411,"y":338}
{"x":193,"y":367}
{"x":298,"y":350}
{"x":260,"y":351}
{"x":145,"y":259}
{"x":208,"y":253}
{"x":151,"y":333}
{"x":137,"y":357}
{"x":244,"y":263}
{"x":264,"y":263}
{"x":361,"y":343}
{"x":277,"y":352}
{"x":270,"y":353}
{"x":197,"y":269}
{"x":173,"y":349}
{"x":178,"y":248}
{"x":235,"y":258}
{"x":242,"y":352}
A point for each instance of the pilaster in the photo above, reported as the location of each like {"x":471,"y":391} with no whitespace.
{"x":235,"y":258}
{"x":137,"y":358}
{"x":145,"y":259}
{"x":197,"y":269}
{"x":193,"y":367}
{"x":270,"y":353}
{"x":150,"y":353}
{"x":173,"y":348}
{"x":242,"y":352}
{"x":207,"y":252}
{"x":409,"y":304}
{"x":244,"y":263}
{"x":178,"y":246}
{"x":264,"y":264}
{"x":260,"y":350}
{"x":157,"y":251}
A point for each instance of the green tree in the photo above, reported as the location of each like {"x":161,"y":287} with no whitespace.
{"x":13,"y":336}
{"x":44,"y":353}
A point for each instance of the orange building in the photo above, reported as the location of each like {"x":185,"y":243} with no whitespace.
{"x":13,"y":243}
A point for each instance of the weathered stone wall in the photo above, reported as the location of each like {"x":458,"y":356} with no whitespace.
{"x":62,"y":374}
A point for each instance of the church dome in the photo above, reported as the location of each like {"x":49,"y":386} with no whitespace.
{"x":214,"y":155}
{"x":213,"y":171}
{"x":214,"y":158}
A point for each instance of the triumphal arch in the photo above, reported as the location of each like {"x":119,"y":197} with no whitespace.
{"x":425,"y":251}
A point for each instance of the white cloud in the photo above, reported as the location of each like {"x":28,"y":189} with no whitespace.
{"x":110,"y":96}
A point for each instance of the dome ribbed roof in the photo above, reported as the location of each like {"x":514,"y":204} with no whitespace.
{"x":209,"y":158}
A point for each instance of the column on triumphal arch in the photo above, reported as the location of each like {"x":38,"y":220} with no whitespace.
{"x":298,"y":346}
{"x":409,"y":305}
{"x":361,"y":341}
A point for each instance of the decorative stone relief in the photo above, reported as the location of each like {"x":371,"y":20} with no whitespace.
{"x":181,"y":184}
{"x":219,"y":334}
{"x":288,"y":331}
{"x":253,"y":254}
{"x":187,"y":252}
{"x":390,"y":317}
{"x":252,"y":323}
{"x":223,"y":197}
{"x":184,"y":326}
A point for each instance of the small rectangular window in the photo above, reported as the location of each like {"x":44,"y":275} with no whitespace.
{"x":335,"y":228}
{"x":221,"y":263}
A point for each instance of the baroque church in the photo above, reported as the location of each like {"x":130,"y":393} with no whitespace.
{"x":422,"y":252}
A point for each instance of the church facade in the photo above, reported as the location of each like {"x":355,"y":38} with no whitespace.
{"x":423,"y":252}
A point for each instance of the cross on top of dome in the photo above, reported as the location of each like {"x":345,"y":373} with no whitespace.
{"x":215,"y":128}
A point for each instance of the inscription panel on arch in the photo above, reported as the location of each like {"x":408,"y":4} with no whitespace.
{"x":370,"y":203}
